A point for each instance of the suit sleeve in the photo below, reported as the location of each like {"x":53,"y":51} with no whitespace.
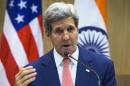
{"x":109,"y":79}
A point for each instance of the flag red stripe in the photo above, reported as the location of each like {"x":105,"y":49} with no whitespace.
{"x":8,"y":60}
{"x":40,"y":19}
{"x":28,"y":43}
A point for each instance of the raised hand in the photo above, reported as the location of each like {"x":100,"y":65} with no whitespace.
{"x":25,"y":76}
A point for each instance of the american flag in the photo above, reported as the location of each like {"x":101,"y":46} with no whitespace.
{"x":93,"y":34}
{"x":21,"y":41}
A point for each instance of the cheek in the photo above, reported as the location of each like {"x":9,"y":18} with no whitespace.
{"x":74,"y":37}
{"x":55,"y":40}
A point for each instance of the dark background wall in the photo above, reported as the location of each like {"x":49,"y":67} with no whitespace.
{"x":119,"y":33}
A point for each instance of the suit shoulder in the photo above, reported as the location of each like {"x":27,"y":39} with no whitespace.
{"x":93,"y":57}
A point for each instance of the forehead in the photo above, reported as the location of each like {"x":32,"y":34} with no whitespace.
{"x":63,"y":22}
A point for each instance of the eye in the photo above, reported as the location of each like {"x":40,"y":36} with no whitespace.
{"x":59,"y":30}
{"x":70,"y":28}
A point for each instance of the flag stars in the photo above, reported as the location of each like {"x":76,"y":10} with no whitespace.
{"x":19,"y":18}
{"x":22,"y":4}
{"x":34,"y":8}
{"x":11,"y":4}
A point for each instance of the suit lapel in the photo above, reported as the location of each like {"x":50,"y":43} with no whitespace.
{"x":50,"y":71}
{"x":82,"y":76}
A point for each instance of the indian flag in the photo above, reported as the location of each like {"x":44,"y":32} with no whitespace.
{"x":93,"y":34}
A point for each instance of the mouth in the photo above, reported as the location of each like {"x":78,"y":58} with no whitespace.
{"x":66,"y":45}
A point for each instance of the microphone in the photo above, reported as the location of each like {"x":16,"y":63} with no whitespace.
{"x":66,"y":54}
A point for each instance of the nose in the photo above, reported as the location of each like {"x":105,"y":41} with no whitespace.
{"x":66,"y":35}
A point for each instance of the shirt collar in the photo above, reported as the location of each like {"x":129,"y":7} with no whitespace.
{"x":58,"y":58}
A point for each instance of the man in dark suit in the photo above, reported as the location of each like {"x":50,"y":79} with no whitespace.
{"x":61,"y":22}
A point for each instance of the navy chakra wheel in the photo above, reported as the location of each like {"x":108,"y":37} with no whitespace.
{"x":94,"y":39}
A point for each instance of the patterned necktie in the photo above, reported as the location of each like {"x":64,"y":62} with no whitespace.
{"x":66,"y":77}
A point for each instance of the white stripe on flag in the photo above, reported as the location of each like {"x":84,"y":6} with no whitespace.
{"x":3,"y":77}
{"x":14,"y":43}
{"x":91,"y":15}
{"x":37,"y":34}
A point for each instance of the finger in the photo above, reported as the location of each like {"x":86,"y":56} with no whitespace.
{"x":24,"y":72}
{"x":27,"y":77}
{"x":28,"y":81}
{"x":18,"y":83}
{"x":25,"y":68}
{"x":21,"y":69}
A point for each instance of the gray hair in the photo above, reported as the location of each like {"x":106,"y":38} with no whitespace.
{"x":58,"y":11}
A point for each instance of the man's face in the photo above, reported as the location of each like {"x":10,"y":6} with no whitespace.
{"x":64,"y":36}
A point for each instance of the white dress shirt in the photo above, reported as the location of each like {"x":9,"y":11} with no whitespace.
{"x":72,"y":66}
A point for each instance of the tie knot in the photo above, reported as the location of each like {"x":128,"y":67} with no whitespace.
{"x":66,"y":61}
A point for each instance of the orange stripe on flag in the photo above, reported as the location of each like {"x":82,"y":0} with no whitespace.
{"x":102,"y":5}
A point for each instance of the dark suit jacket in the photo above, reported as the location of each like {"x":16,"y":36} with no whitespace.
{"x":47,"y":74}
